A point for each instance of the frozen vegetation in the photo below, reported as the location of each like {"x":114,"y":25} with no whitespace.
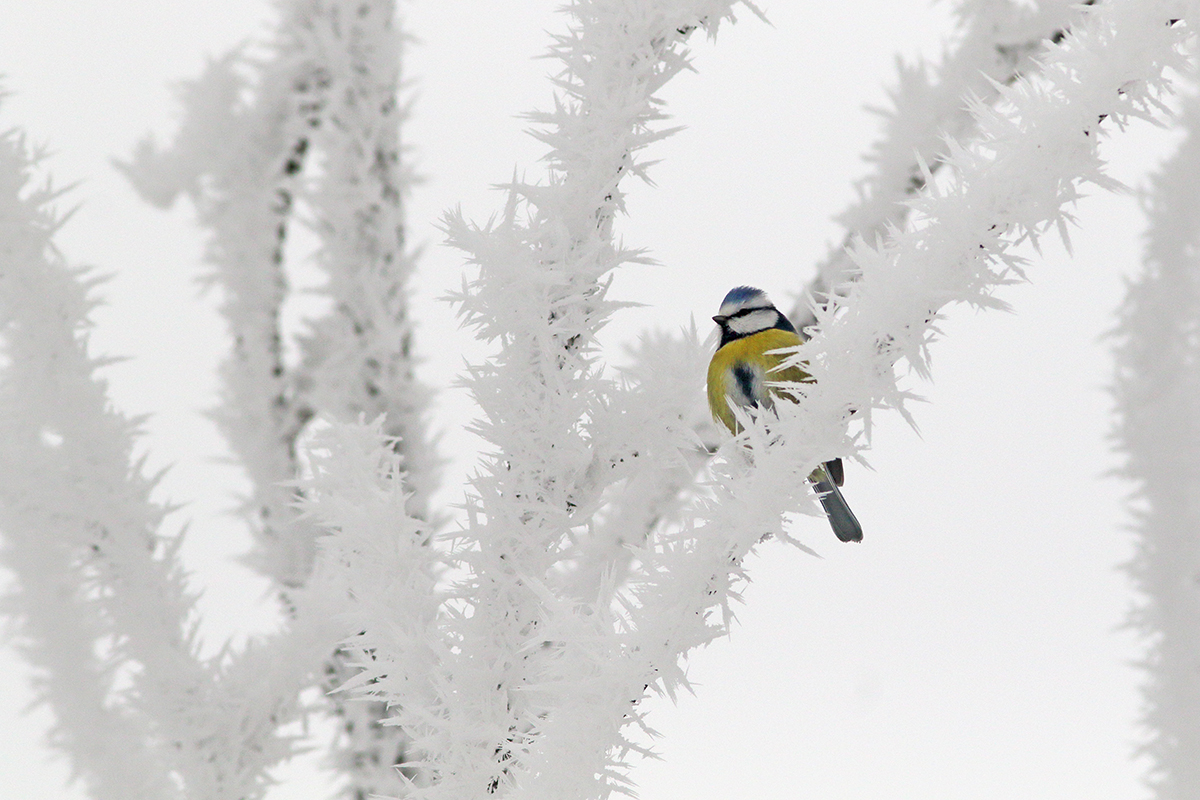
{"x":1157,"y":389}
{"x":604,"y":533}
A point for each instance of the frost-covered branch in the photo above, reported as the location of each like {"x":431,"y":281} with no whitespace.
{"x":540,"y":294}
{"x":657,"y":483}
{"x":513,"y":656}
{"x":72,"y":504}
{"x":998,"y":42}
{"x":1157,"y":392}
{"x":382,"y":559}
{"x":1014,"y":182}
{"x":358,"y":360}
{"x":535,"y":685}
{"x":102,"y":603}
{"x":326,"y":102}
{"x":500,"y":712}
{"x":241,"y":162}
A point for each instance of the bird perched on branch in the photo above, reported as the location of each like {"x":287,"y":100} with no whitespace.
{"x":738,"y":374}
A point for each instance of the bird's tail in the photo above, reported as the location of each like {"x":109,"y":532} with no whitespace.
{"x":845,"y":525}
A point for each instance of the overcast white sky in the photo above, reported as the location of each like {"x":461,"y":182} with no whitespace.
{"x":969,"y":648}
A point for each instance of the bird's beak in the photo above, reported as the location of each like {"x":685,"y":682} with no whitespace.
{"x":720,"y":319}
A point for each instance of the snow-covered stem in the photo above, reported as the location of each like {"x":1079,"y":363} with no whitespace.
{"x":1012,"y":183}
{"x":380,"y":556}
{"x":503,"y":717}
{"x":358,"y":360}
{"x":997,"y":43}
{"x":657,"y":483}
{"x":102,"y":603}
{"x":71,"y":501}
{"x":327,"y":96}
{"x":241,"y":162}
{"x":1157,"y":392}
{"x":533,"y":685}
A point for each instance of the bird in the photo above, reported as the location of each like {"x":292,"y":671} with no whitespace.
{"x":751,"y":326}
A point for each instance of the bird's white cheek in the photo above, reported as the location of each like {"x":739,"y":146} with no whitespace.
{"x":754,"y":322}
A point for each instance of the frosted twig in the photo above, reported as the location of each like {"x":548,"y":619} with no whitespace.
{"x":327,"y":94}
{"x":1000,"y":42}
{"x":241,"y":161}
{"x":1157,"y":392}
{"x":102,"y":599}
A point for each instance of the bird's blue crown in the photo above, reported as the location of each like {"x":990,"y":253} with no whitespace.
{"x":740,"y":294}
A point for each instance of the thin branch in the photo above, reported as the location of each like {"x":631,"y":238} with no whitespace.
{"x":1000,"y":42}
{"x":1157,"y":392}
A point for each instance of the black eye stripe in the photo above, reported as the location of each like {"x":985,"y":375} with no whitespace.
{"x":746,"y":311}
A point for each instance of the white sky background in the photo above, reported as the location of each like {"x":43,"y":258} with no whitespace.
{"x":969,"y":648}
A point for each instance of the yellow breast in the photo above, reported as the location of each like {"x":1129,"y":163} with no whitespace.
{"x":739,"y":372}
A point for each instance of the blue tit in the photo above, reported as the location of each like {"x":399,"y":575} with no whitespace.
{"x":738,"y":374}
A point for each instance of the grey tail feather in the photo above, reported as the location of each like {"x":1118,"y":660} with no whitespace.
{"x":835,"y":471}
{"x":841,"y":518}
